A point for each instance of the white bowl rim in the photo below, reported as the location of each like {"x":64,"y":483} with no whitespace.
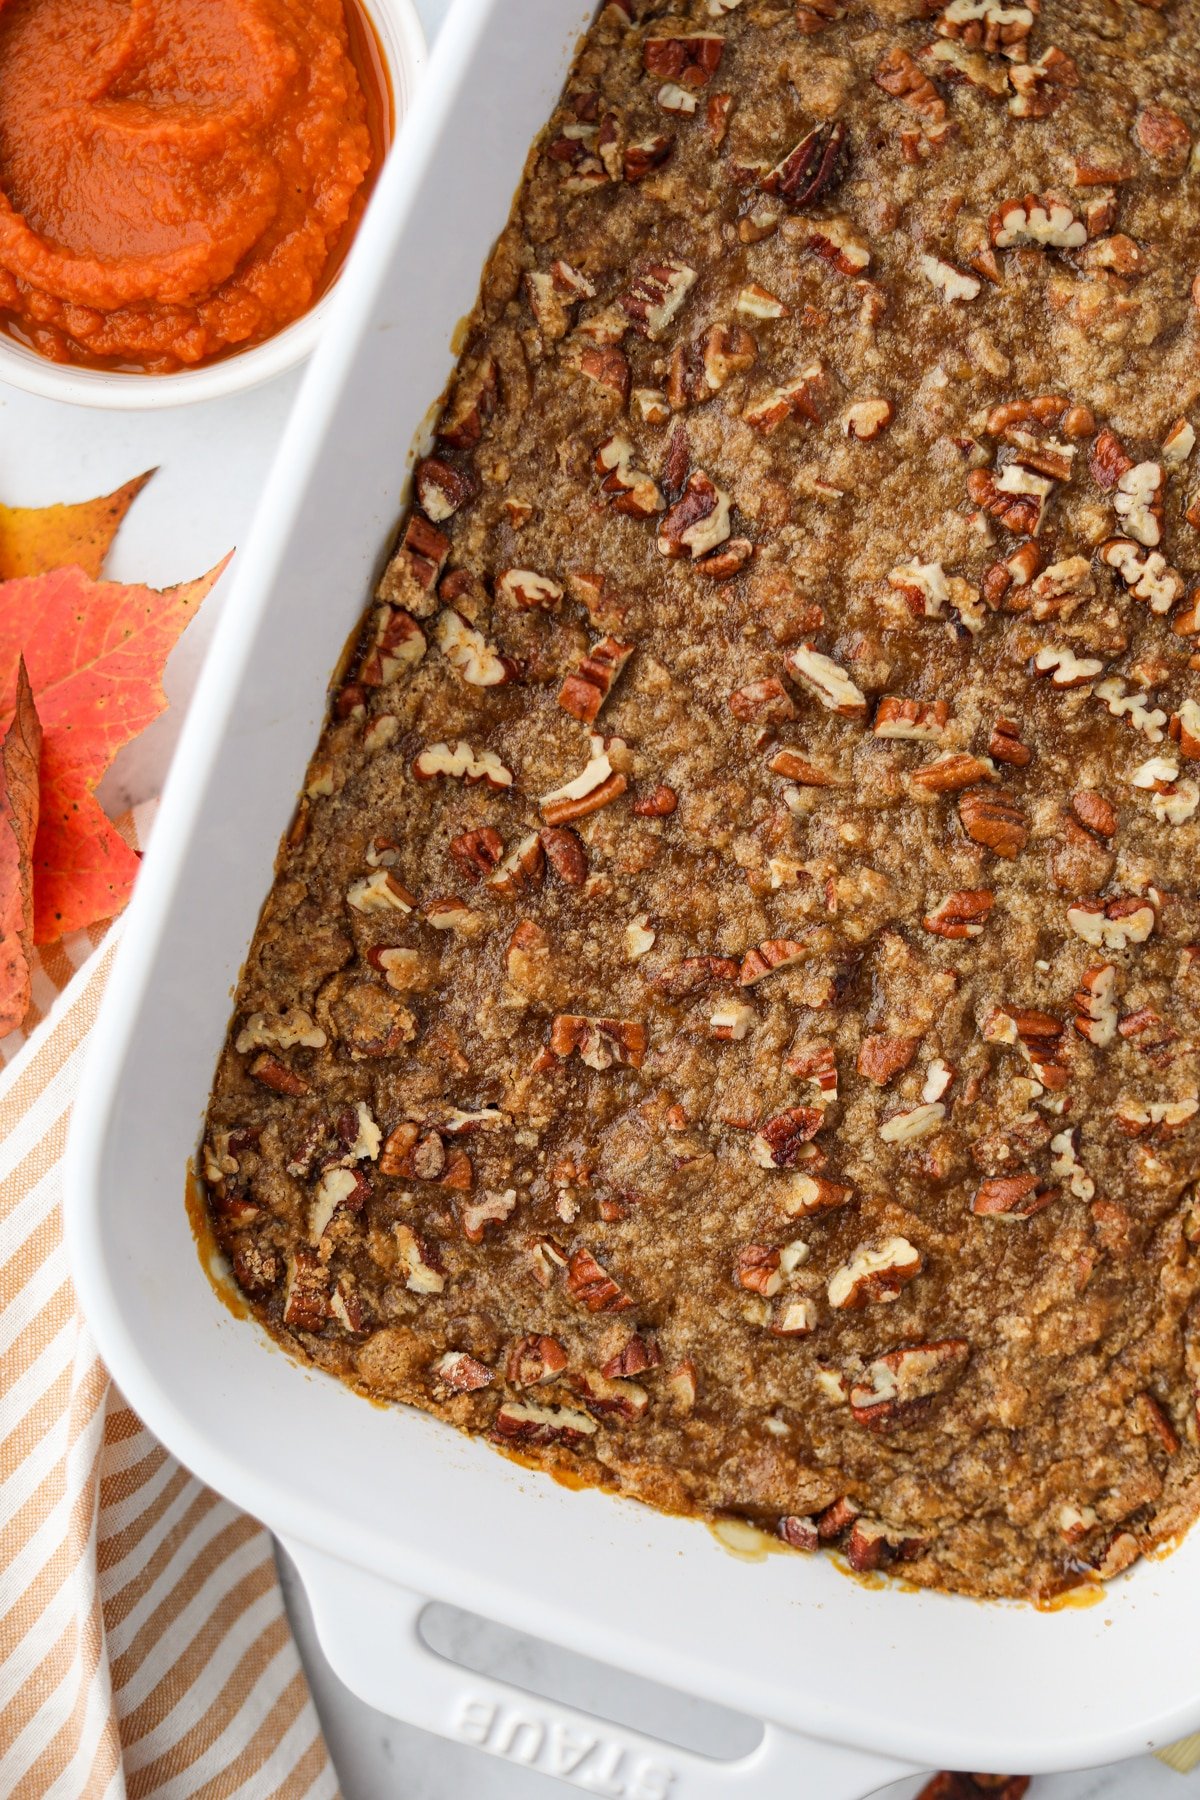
{"x":402,"y":40}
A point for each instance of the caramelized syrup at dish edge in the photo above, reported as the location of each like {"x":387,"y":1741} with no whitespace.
{"x":370,"y":63}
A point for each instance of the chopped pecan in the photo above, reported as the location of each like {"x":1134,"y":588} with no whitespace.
{"x":883,"y":1055}
{"x":765,"y":702}
{"x":694,"y":975}
{"x":1006,"y":744}
{"x":1039,"y":88}
{"x":533,"y":1360}
{"x":520,"y":870}
{"x":592,"y":1286}
{"x":902,"y":1382}
{"x":1096,"y":1001}
{"x":461,"y":763}
{"x":275,"y":1074}
{"x":690,"y":58}
{"x":489,"y":1209}
{"x":1112,"y":924}
{"x":600,"y":1043}
{"x":597,"y":786}
{"x":875,"y":1273}
{"x":412,"y":574}
{"x":811,"y":1194}
{"x":951,"y":773}
{"x":758,"y":1270}
{"x":767,"y":958}
{"x":812,"y":168}
{"x":1019,"y":512}
{"x":479,"y":663}
{"x":565,"y":854}
{"x":472,"y":404}
{"x":477,"y":852}
{"x":655,"y":295}
{"x":698,"y":521}
{"x":902,"y":77}
{"x":804,"y":397}
{"x":399,"y":644}
{"x":923,"y":721}
{"x":1095,"y":811}
{"x":1164,"y":137}
{"x":994,"y":821}
{"x":827,"y":681}
{"x":993,"y":26}
{"x":961,"y":914}
{"x":537,"y":1425}
{"x":780,"y":1143}
{"x":1012,"y":1197}
{"x":1108,"y":461}
{"x":584,"y":691}
{"x":629,"y":489}
{"x":442,"y":488}
{"x":659,"y":803}
{"x":306,"y":1293}
{"x":462,"y":1373}
{"x":642,"y":158}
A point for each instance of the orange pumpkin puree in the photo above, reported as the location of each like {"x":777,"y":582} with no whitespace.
{"x":177,"y":177}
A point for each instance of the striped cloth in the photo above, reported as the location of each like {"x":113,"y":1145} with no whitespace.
{"x":144,"y":1649}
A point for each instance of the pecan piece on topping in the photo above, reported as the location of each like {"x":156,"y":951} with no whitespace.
{"x":461,"y":1373}
{"x":994,"y":821}
{"x":1095,"y":811}
{"x":875,"y":1274}
{"x":951,"y":773}
{"x":655,"y":295}
{"x":659,"y":803}
{"x":903,"y":1382}
{"x":779,"y":1145}
{"x":881,"y":1056}
{"x":766,"y":958}
{"x":565,"y":854}
{"x":765,"y":702}
{"x":1012,"y":1197}
{"x":698,"y":521}
{"x":601,"y":1043}
{"x":533,"y":1360}
{"x":584,"y":691}
{"x":477,"y":852}
{"x":689,"y":58}
{"x":412,"y":575}
{"x":441,"y":488}
{"x":758,"y":1270}
{"x":592,"y":1286}
{"x":1096,"y":1000}
{"x":961,"y":914}
{"x":812,"y":168}
{"x":694,"y":975}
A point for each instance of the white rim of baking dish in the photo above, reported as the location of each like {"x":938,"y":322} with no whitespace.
{"x":544,"y":1607}
{"x":402,"y":42}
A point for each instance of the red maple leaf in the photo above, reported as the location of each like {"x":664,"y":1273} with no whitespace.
{"x":95,"y":653}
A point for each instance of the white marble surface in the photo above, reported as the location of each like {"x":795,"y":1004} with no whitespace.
{"x":211,"y":462}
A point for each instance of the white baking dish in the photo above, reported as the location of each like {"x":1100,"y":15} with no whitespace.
{"x":385,"y":1508}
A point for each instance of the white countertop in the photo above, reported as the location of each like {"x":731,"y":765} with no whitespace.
{"x":212,"y":460}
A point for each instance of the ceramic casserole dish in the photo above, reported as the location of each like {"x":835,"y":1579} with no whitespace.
{"x":385,"y":1509}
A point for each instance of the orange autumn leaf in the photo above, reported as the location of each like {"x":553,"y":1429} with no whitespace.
{"x":35,"y":539}
{"x":95,"y":652}
{"x":20,"y":756}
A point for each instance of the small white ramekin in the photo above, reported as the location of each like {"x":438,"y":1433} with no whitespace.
{"x":403,"y":44}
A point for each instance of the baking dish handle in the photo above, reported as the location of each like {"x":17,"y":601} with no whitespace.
{"x":368,"y":1628}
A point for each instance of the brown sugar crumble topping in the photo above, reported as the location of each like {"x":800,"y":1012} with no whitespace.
{"x":726,"y":1018}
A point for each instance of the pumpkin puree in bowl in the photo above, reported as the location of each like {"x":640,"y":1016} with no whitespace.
{"x":176,"y":176}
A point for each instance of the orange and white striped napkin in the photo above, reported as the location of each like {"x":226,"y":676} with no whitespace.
{"x":145,"y":1653}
